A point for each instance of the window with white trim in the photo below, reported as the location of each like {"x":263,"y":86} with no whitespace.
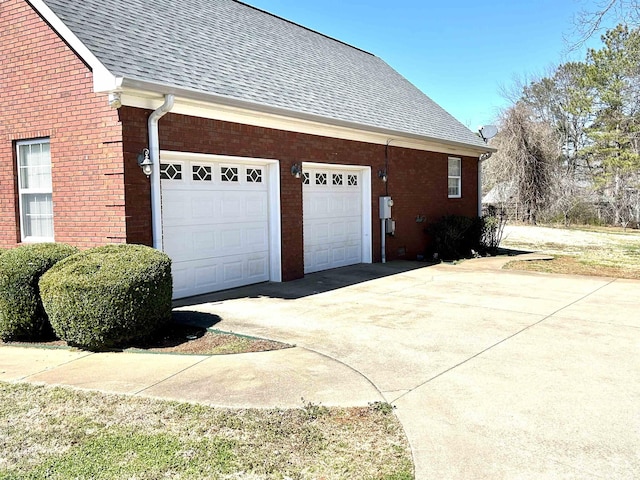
{"x":455,"y":177}
{"x":34,"y":190}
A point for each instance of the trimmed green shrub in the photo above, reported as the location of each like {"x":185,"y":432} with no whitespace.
{"x":454,"y":236}
{"x":22,"y":316}
{"x":107,"y":296}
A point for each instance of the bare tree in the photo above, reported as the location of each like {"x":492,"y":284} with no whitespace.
{"x":528,"y":153}
{"x":570,"y":199}
{"x":590,"y":22}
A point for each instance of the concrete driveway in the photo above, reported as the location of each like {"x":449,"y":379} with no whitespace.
{"x":495,"y":374}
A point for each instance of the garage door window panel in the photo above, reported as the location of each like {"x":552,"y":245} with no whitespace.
{"x":254,"y":175}
{"x":171,"y":171}
{"x":229,"y":174}
{"x":202,"y":173}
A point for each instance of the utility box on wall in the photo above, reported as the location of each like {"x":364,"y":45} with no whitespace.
{"x":389,"y":225}
{"x":385,"y":207}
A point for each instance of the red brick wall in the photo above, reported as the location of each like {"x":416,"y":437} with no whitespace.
{"x":47,"y":91}
{"x":417,"y":179}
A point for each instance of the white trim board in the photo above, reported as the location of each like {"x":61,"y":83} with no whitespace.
{"x":279,"y":120}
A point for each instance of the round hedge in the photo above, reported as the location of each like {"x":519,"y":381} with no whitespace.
{"x":22,"y":316}
{"x":107,"y":296}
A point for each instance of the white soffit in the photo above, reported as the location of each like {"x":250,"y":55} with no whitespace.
{"x":219,"y":111}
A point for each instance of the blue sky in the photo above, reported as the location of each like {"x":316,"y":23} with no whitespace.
{"x":459,"y":52}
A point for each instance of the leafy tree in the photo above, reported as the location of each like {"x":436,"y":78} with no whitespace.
{"x":614,"y":75}
{"x":564,"y":101}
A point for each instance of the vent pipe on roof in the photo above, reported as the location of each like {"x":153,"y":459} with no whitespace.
{"x":154,"y":153}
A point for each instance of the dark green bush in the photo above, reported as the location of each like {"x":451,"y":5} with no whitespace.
{"x":107,"y":296}
{"x":454,"y":236}
{"x":21,"y":314}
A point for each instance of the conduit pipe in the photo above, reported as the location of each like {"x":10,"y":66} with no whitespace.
{"x":154,"y":154}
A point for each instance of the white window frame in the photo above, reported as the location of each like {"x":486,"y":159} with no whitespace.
{"x":30,"y":191}
{"x":456,"y":177}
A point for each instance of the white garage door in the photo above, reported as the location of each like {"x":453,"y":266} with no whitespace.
{"x":215,"y":224}
{"x":333,"y":217}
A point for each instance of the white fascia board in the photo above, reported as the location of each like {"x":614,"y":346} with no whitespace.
{"x":150,"y":96}
{"x":103,"y":80}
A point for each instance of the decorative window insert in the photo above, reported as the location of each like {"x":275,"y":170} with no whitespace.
{"x":337,"y":179}
{"x":170,"y":171}
{"x":305,"y":178}
{"x":35,"y":190}
{"x":201,"y":173}
{"x":321,"y":178}
{"x":229,"y":174}
{"x":455,"y":177}
{"x":254,"y":175}
{"x":352,"y":180}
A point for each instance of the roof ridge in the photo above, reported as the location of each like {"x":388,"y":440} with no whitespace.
{"x":303,"y":27}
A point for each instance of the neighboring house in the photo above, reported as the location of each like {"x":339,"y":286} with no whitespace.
{"x":503,"y":196}
{"x":268,"y":141}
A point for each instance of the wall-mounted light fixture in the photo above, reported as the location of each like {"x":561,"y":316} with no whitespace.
{"x":145,"y":163}
{"x":115,"y":100}
{"x":296,"y":170}
{"x":421,"y":218}
{"x":382,"y":175}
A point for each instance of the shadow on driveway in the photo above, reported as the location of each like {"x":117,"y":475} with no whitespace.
{"x":311,"y":284}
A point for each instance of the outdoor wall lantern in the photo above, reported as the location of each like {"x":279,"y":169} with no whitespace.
{"x":296,"y":170}
{"x":145,"y":163}
{"x":382,"y":175}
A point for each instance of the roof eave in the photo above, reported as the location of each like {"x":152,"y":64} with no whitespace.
{"x":158,"y":88}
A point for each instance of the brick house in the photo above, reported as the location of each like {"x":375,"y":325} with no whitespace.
{"x":269,"y":144}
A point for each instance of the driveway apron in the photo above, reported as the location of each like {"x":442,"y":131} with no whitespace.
{"x":495,"y":374}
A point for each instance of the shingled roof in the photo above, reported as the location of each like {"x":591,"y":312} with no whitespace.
{"x":230,"y":49}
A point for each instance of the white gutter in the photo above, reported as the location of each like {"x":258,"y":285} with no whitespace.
{"x":154,"y":153}
{"x":195,"y":95}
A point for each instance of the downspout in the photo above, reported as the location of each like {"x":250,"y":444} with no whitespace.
{"x":154,"y":153}
{"x":482,"y":158}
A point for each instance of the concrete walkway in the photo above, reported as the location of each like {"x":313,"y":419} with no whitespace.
{"x":495,"y":374}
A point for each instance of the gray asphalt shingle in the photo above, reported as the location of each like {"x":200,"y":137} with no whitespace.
{"x":224,"y":47}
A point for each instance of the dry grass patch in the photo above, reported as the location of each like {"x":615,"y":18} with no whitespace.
{"x":61,"y":433}
{"x":600,"y":251}
{"x":188,"y":339}
{"x":575,"y":266}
